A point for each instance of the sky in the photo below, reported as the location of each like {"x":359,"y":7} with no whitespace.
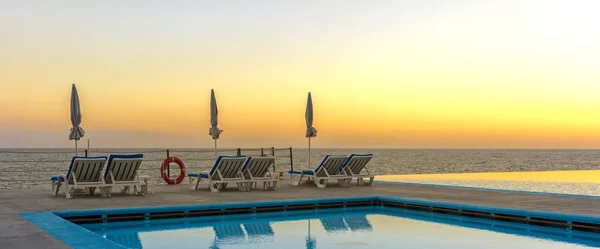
{"x":383,"y":74}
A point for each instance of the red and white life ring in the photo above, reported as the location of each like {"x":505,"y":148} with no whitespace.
{"x":165,"y":175}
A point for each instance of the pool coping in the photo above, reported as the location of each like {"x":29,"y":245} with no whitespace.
{"x":56,"y":223}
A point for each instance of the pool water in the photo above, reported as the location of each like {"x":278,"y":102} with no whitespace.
{"x":364,"y":227}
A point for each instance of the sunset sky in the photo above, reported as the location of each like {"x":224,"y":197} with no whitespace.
{"x":383,"y":74}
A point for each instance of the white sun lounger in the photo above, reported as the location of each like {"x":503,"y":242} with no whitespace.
{"x":329,"y":169}
{"x":257,"y":169}
{"x":356,"y":168}
{"x":227,"y":169}
{"x":122,"y":171}
{"x":84,"y":172}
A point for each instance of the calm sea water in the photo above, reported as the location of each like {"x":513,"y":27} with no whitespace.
{"x":32,"y":168}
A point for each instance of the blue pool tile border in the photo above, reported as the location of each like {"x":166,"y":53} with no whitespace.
{"x":489,"y":189}
{"x":69,"y":233}
{"x":79,"y":237}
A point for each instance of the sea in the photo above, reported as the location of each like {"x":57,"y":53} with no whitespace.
{"x":32,"y":168}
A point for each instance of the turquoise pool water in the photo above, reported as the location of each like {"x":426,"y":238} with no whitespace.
{"x":365,"y":227}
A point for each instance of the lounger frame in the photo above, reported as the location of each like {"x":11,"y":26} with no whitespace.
{"x":356,"y":168}
{"x":258,"y":170}
{"x":329,"y":169}
{"x":122,"y":172}
{"x":82,"y":173}
{"x":226,"y":170}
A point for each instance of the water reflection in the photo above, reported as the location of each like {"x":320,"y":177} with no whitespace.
{"x":254,"y":233}
{"x":130,"y":240}
{"x":311,"y":243}
{"x":362,"y":228}
{"x":358,"y":223}
{"x":333,"y":224}
{"x":259,"y":232}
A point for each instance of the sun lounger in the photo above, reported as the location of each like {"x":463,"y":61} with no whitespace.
{"x":356,"y":168}
{"x":329,"y":169}
{"x":227,"y":169}
{"x":84,"y":172}
{"x":258,"y":169}
{"x":122,"y":171}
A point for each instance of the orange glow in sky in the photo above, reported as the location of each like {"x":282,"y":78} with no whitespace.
{"x":391,"y":74}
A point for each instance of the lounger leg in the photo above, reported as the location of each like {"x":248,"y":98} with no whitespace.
{"x":343,"y":182}
{"x":55,"y":187}
{"x":124,"y":189}
{"x":108,"y":190}
{"x":242,"y":187}
{"x":214,"y":187}
{"x":191,"y":183}
{"x":137,"y":189}
{"x":370,"y":183}
{"x":68,"y":191}
{"x":299,"y":180}
{"x":320,"y":182}
{"x":194,"y":182}
{"x":103,"y":192}
{"x":142,"y":189}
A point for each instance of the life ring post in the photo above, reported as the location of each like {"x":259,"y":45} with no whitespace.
{"x":168,"y":166}
{"x":164,"y":170}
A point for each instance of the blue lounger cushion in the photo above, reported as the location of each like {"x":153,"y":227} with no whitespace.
{"x":55,"y":178}
{"x":306,"y":172}
{"x":118,"y":156}
{"x":201,"y":175}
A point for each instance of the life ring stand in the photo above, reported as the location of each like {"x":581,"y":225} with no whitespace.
{"x":165,"y":175}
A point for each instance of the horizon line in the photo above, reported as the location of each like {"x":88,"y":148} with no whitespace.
{"x":279,"y":148}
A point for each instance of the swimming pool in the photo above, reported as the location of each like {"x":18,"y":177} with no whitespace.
{"x":371,"y":227}
{"x":358,"y":222}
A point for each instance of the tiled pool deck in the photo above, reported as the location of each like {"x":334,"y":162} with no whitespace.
{"x":16,"y":232}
